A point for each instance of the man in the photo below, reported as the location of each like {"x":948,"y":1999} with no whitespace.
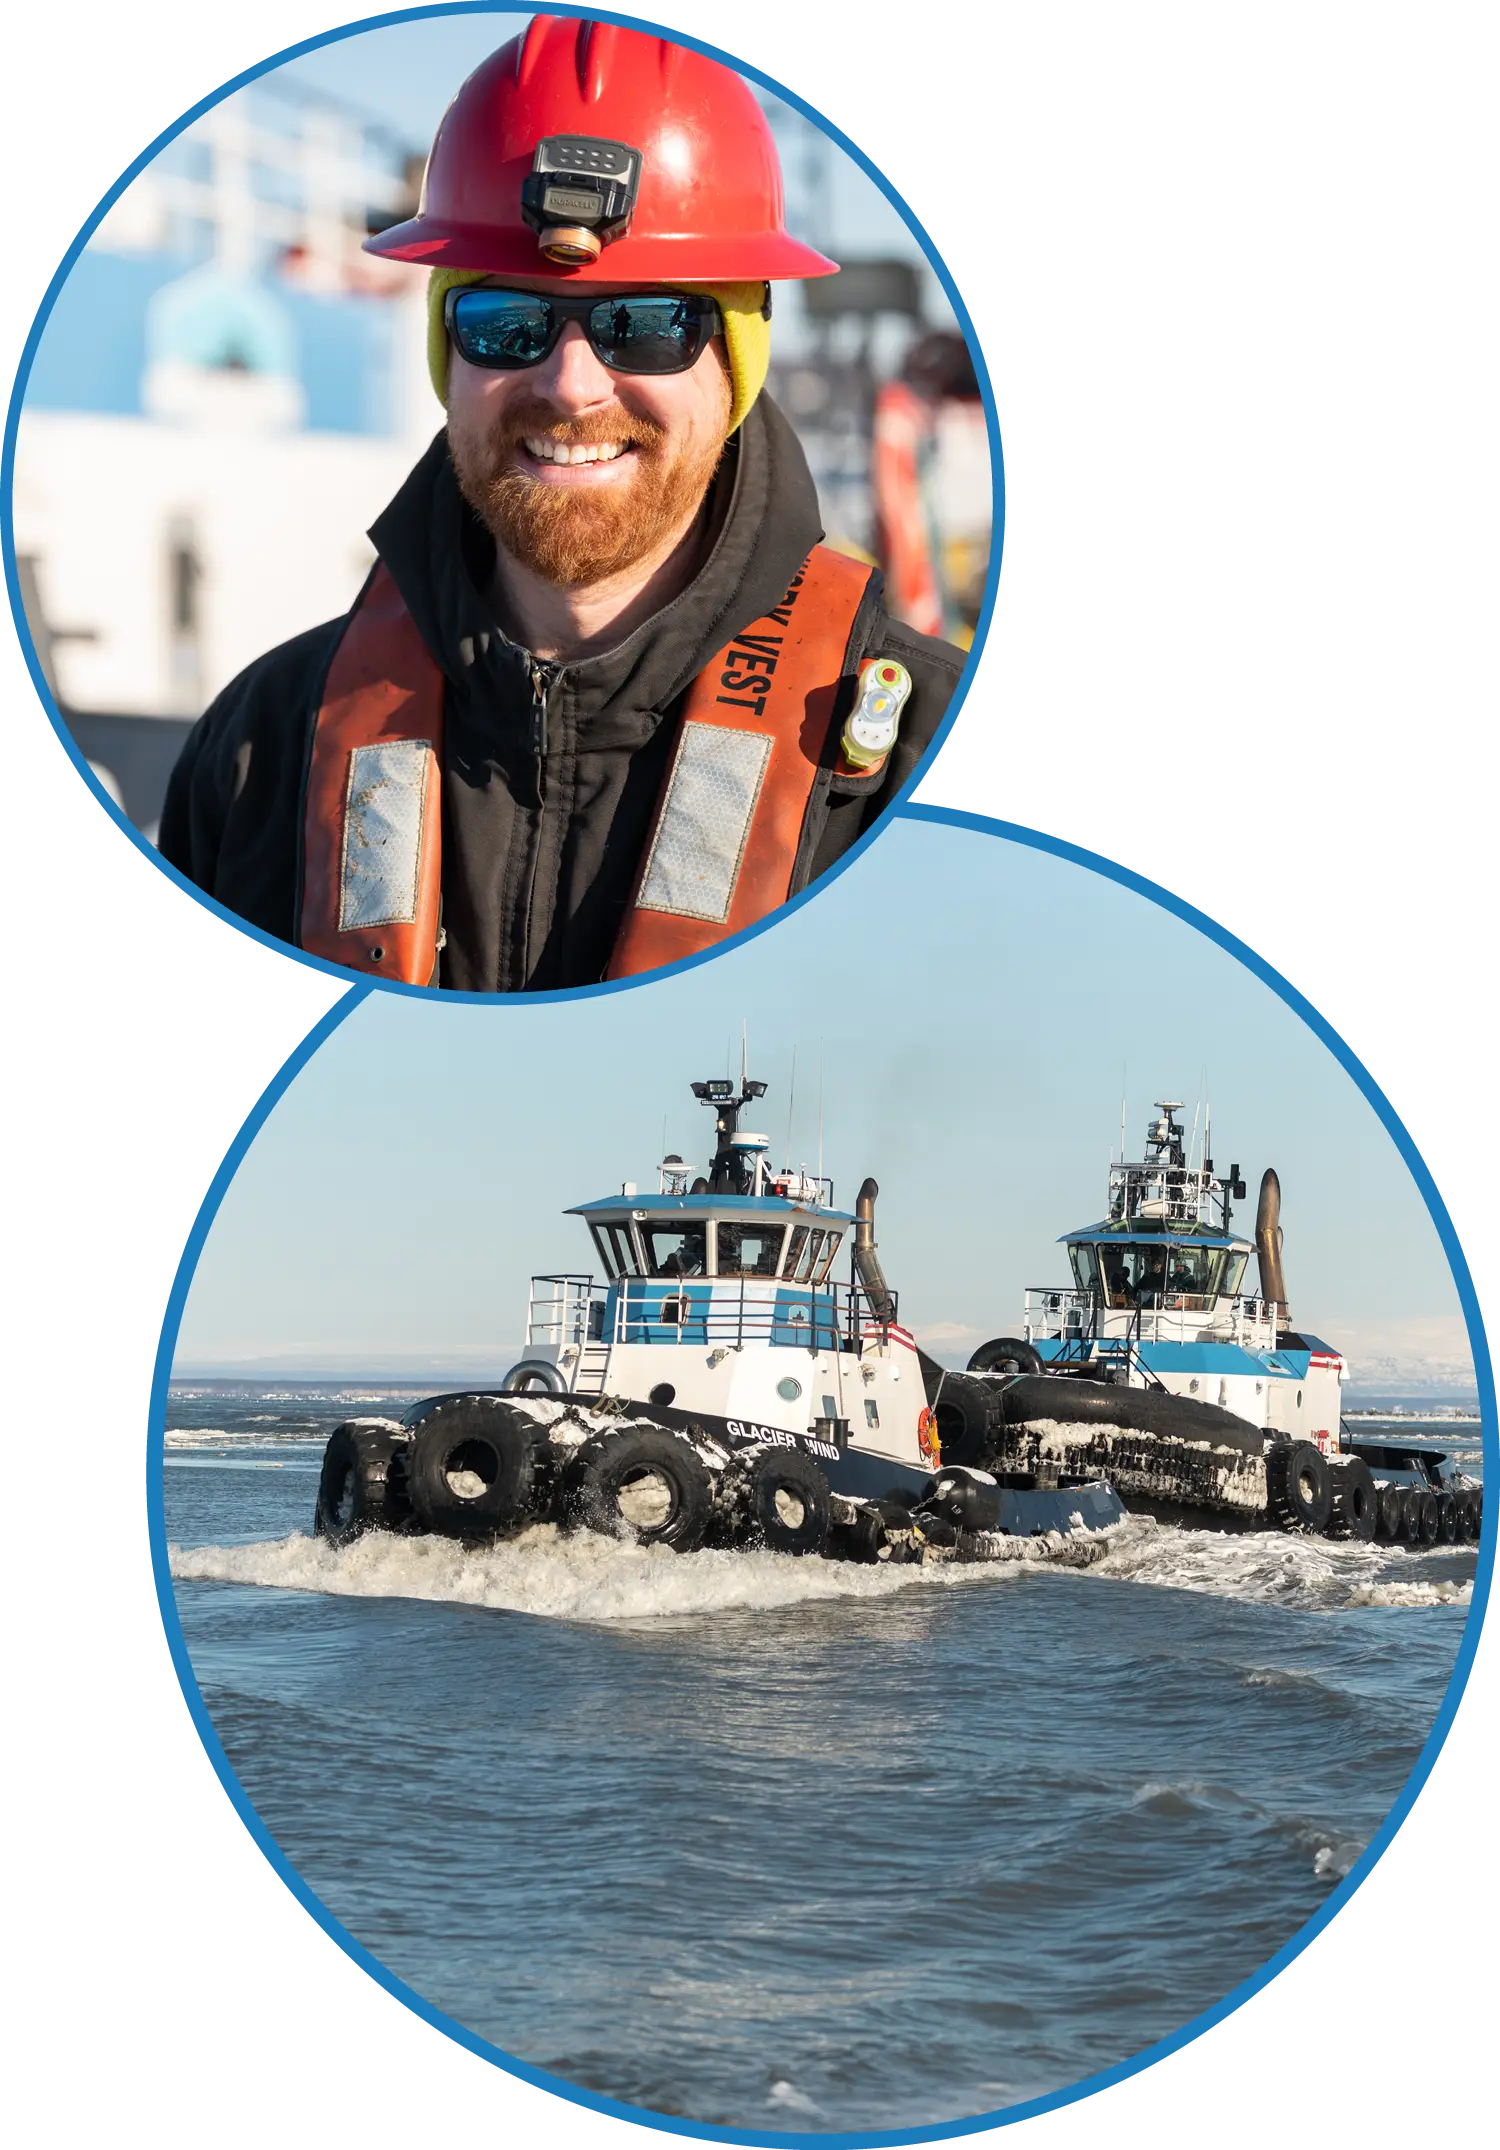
{"x":605,"y":699}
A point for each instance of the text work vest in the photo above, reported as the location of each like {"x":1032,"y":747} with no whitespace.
{"x":756,"y":728}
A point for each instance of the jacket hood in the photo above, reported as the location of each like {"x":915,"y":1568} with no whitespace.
{"x":442,"y":558}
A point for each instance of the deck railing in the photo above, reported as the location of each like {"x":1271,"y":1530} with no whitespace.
{"x":574,"y":1311}
{"x":1059,"y":1313}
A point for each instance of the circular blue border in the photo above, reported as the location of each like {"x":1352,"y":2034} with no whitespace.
{"x":332,"y":37}
{"x":780,"y":2139}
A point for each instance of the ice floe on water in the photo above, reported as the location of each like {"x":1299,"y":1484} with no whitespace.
{"x":212,"y":1437}
{"x":787,"y":2098}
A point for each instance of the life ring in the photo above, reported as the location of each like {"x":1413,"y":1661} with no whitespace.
{"x":536,"y":1377}
{"x":928,"y":1438}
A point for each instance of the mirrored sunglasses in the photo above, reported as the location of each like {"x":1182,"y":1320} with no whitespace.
{"x":630,"y":332}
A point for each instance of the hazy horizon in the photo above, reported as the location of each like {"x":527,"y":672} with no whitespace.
{"x":973,"y":1005}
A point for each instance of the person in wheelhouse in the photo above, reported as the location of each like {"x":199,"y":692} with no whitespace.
{"x":606,"y":698}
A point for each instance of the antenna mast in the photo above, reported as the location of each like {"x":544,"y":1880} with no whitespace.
{"x":820,"y":1113}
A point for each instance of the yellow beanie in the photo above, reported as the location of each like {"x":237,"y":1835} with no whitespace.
{"x":747,"y":334}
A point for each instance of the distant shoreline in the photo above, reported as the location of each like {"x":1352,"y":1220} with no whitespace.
{"x":1428,"y":1404}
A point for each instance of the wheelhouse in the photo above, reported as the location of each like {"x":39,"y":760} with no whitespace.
{"x":714,"y":1236}
{"x":1164,"y":1264}
{"x":1133,"y":1270}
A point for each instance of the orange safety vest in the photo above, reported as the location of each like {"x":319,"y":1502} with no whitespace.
{"x":755,"y":731}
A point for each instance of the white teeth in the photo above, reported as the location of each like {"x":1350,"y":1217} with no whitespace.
{"x":558,"y":451}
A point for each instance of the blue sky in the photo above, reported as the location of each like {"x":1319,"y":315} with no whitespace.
{"x":973,"y":1003}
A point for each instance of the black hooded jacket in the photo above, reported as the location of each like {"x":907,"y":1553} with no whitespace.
{"x":551,"y":771}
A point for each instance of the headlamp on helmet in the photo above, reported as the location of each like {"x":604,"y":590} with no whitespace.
{"x":579,"y":194}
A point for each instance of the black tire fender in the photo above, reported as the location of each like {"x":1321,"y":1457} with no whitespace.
{"x":1448,"y":1520}
{"x":784,"y":1499}
{"x":1006,"y":1355}
{"x":869,"y":1538}
{"x":1392,"y":1512}
{"x":1411,"y":1518}
{"x":478,"y":1467}
{"x":1356,"y":1499}
{"x":1472,"y":1508}
{"x":1429,"y":1519}
{"x":1301,"y":1487}
{"x":639,"y":1465}
{"x":970,"y":1417}
{"x":969,"y":1503}
{"x":362,"y":1484}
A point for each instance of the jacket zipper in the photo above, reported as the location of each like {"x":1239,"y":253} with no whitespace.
{"x":545,"y":681}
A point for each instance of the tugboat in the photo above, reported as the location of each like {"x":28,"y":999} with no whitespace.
{"x":717,"y":1387}
{"x":1196,"y":1402}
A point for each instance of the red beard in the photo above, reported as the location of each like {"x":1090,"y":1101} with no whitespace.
{"x":573,"y":538}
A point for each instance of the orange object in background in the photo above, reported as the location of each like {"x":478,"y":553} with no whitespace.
{"x":903,"y":539}
{"x":930,"y":571}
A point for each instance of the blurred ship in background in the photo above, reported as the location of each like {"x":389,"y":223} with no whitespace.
{"x":228,"y":391}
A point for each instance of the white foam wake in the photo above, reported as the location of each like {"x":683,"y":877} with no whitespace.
{"x":578,"y":1577}
{"x":583,"y":1576}
{"x":1273,"y":1567}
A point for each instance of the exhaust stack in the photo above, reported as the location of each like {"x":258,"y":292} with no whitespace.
{"x":866,"y":1260}
{"x":1268,"y":1244}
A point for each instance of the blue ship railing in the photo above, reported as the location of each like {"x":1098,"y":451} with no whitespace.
{"x":730,"y":1312}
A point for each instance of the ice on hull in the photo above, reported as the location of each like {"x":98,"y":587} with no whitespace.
{"x":1195,"y":1401}
{"x":717,"y":1386}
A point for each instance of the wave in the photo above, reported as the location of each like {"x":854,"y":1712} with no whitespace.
{"x":1273,"y":1567}
{"x":1330,"y":1855}
{"x":584,"y":1576}
{"x":579,"y":1577}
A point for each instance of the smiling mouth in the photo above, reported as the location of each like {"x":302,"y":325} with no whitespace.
{"x":561,"y":453}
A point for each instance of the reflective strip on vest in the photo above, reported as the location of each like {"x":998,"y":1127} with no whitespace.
{"x":758,"y":725}
{"x":372,"y":827}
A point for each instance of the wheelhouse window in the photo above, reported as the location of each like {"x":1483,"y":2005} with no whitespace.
{"x":830,"y":1249}
{"x":1194,"y":1271}
{"x":1159,"y":1274}
{"x":616,"y":1250}
{"x":749,"y":1250}
{"x":803,"y":1254}
{"x":1234,"y":1269}
{"x":1085,"y":1265}
{"x":675,"y":1250}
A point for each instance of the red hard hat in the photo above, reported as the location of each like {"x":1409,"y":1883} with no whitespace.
{"x":672,"y":148}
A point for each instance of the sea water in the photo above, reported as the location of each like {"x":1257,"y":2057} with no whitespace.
{"x":790,"y":1843}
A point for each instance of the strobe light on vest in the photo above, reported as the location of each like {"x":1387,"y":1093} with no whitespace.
{"x":579,"y":195}
{"x":870,"y":732}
